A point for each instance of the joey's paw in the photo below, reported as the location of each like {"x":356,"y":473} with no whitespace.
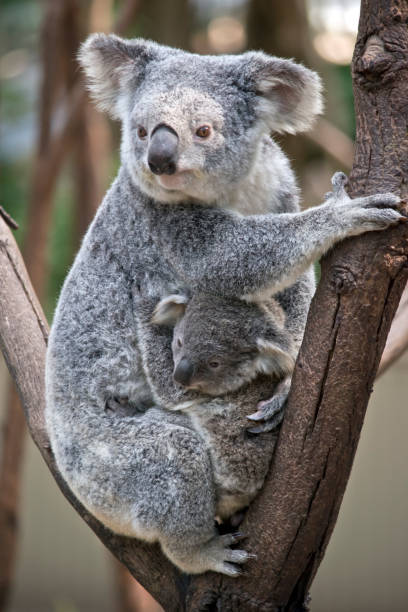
{"x":270,"y":412}
{"x":121,"y":406}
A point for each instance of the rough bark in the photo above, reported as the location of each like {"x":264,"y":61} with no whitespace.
{"x":290,"y":523}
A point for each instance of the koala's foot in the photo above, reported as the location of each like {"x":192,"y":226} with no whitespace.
{"x":215,"y":555}
{"x":224,"y":559}
{"x":271,"y":411}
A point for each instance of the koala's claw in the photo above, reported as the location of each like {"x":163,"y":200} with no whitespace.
{"x":271,"y":411}
{"x":229,"y":569}
{"x":232,"y":538}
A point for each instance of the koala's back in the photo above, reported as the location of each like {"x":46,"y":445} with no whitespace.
{"x":239,"y":459}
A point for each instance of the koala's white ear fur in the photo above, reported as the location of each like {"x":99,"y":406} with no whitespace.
{"x":170,"y":309}
{"x":110,"y":63}
{"x":272,"y":359}
{"x":289,"y":94}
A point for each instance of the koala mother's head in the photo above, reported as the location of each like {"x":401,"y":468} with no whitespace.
{"x":192,"y":124}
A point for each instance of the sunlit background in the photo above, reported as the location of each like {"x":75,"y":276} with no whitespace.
{"x":51,"y":183}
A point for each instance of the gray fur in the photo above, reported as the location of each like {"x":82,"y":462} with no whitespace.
{"x":149,"y":475}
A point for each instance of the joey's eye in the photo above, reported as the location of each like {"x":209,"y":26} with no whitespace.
{"x":214,"y":364}
{"x":141,"y":132}
{"x":179,"y":342}
{"x":203,"y":131}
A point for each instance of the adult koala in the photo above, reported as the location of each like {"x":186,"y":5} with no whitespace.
{"x":187,"y":210}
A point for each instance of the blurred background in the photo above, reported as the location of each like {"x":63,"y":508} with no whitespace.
{"x":57,"y":157}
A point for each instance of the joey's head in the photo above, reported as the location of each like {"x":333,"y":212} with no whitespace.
{"x":220,"y":344}
{"x":192,"y":124}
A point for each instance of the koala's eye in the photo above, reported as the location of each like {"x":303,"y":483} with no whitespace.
{"x":179,"y":342}
{"x":203,"y":131}
{"x":141,"y":132}
{"x":214,"y":364}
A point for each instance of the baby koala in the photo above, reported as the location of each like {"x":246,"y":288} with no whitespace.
{"x":220,"y":345}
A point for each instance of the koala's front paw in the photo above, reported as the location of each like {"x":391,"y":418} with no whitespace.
{"x":359,"y":215}
{"x":270,"y":411}
{"x":375,"y":212}
{"x":121,"y":406}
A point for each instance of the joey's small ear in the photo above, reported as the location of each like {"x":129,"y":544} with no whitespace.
{"x":289,"y":94}
{"x":112,"y":63}
{"x":170,"y":309}
{"x":272,"y":359}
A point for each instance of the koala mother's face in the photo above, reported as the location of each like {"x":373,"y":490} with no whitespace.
{"x":178,"y":144}
{"x":192,"y":124}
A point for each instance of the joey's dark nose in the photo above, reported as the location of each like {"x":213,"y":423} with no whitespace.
{"x":162,"y":152}
{"x":183,"y":371}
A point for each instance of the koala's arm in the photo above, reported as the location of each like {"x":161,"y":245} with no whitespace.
{"x":213,"y":250}
{"x":155,"y":346}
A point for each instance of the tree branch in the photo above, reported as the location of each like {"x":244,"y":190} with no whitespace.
{"x":397,"y":341}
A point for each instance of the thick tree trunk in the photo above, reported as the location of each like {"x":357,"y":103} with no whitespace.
{"x":290,"y":523}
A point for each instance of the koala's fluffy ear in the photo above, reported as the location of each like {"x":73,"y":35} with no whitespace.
{"x":289,"y":94}
{"x":170,"y":309}
{"x":272,"y":359}
{"x":111,"y":64}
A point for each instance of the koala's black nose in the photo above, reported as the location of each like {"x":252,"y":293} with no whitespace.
{"x":183,"y":371}
{"x":162,"y":152}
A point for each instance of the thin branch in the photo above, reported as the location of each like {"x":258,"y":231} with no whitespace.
{"x":8,"y":219}
{"x":397,"y":341}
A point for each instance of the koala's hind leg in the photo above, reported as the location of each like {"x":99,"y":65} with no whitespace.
{"x":175,"y":498}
